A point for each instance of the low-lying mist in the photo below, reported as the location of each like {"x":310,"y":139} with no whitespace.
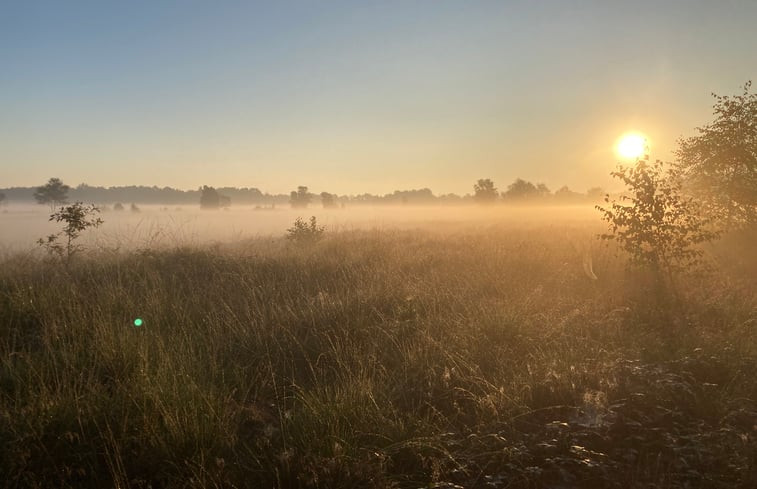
{"x":159,"y":226}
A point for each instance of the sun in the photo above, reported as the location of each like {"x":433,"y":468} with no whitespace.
{"x":631,"y":145}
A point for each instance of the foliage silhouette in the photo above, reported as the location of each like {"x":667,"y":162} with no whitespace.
{"x":54,"y":193}
{"x":211,"y":199}
{"x":595,"y":194}
{"x":77,"y":218}
{"x":655,"y":223}
{"x":521,"y":190}
{"x":566,"y":195}
{"x":485,"y":191}
{"x":720,"y":164}
{"x":301,"y":198}
{"x":305,"y":232}
{"x":327,"y":200}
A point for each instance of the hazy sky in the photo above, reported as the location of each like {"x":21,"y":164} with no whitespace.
{"x":359,"y":96}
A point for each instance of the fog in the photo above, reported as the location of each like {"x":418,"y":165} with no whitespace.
{"x":159,"y":226}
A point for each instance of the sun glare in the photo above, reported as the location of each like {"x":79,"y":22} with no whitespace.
{"x":631,"y":146}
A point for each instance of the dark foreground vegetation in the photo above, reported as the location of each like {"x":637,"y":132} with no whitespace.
{"x":378,"y":359}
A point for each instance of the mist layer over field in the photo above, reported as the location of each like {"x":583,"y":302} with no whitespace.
{"x":22,"y":225}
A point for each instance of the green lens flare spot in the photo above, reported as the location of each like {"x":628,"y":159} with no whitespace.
{"x":138,"y":322}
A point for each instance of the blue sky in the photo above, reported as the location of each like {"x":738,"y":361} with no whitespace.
{"x":355,"y":97}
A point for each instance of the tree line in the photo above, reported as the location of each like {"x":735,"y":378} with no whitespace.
{"x":523,"y":191}
{"x":55,"y":193}
{"x":718,"y":167}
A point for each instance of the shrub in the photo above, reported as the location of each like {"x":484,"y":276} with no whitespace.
{"x":77,"y":218}
{"x":654,"y":222}
{"x":305,"y":232}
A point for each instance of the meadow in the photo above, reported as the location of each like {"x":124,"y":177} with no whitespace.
{"x":407,"y":348}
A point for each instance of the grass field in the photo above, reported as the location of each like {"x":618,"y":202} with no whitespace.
{"x":408,"y":358}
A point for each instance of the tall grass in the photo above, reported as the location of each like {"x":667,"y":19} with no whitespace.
{"x":373,"y":359}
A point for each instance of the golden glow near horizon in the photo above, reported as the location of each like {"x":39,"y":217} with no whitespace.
{"x":631,"y":145}
{"x":365,"y":99}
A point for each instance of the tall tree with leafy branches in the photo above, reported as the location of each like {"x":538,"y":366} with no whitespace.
{"x":719,"y":164}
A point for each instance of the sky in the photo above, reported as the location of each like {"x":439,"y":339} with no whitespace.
{"x":358,"y":96}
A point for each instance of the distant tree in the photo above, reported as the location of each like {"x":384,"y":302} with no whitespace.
{"x":209,"y":198}
{"x":486,"y":192}
{"x":595,"y":194}
{"x":118,"y":206}
{"x":134,"y":207}
{"x":542,"y":191}
{"x":566,"y":195}
{"x":415,"y":196}
{"x":54,"y":193}
{"x":450,"y":198}
{"x":301,"y":198}
{"x":720,"y":164}
{"x":520,"y":190}
{"x":2,"y":198}
{"x":77,"y":217}
{"x":327,"y":200}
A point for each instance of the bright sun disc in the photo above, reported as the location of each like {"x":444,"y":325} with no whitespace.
{"x":631,"y":146}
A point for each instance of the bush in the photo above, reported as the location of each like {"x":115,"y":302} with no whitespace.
{"x":660,"y":227}
{"x":305,"y":232}
{"x":78,"y":217}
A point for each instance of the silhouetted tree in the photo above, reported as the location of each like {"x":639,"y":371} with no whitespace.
{"x":520,"y":190}
{"x":301,"y":198}
{"x":54,"y":192}
{"x":209,"y":198}
{"x":595,"y":194}
{"x":542,"y":191}
{"x":566,"y":195}
{"x":486,"y":192}
{"x":327,"y":200}
{"x":720,"y":164}
{"x":450,"y":198}
{"x":416,"y":196}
